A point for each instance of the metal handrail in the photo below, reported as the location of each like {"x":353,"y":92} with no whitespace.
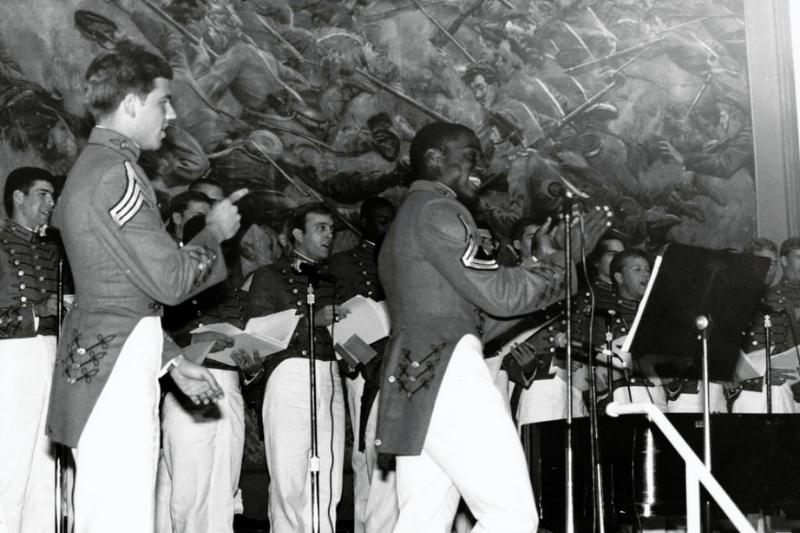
{"x":696,"y":471}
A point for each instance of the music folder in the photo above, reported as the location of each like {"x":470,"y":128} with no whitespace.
{"x":687,"y":282}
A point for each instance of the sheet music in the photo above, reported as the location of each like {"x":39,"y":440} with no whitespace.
{"x":267,"y":335}
{"x":366,"y":318}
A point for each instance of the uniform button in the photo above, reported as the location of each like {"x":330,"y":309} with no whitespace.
{"x":16,"y":262}
{"x":38,"y":267}
{"x":415,"y":364}
{"x":194,"y":302}
{"x":36,"y":256}
{"x":378,"y":442}
{"x":412,"y":379}
{"x":369,"y":283}
{"x":81,"y":351}
{"x":41,"y":278}
{"x":291,"y":280}
{"x":364,"y":272}
{"x":43,"y":290}
{"x":22,"y":286}
{"x":392,"y":379}
{"x":23,"y":299}
{"x":299,"y":303}
{"x":623,"y":330}
{"x":304,"y":352}
{"x":294,"y":291}
{"x":369,"y":293}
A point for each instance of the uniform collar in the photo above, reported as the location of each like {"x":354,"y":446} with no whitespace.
{"x":298,"y":259}
{"x":19,"y":230}
{"x":432,"y":186}
{"x":119,"y":142}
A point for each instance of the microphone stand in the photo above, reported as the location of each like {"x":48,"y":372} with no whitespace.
{"x":313,"y":458}
{"x":570,"y":511}
{"x":702,"y":323}
{"x":768,"y":360}
{"x":596,"y":467}
{"x":60,"y":450}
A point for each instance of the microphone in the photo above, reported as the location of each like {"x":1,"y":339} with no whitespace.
{"x":560,"y":341}
{"x":315,"y":274}
{"x":556,"y":189}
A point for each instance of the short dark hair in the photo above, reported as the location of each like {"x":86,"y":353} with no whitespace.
{"x":129,"y":68}
{"x":181,"y":201}
{"x":759,"y":244}
{"x":22,"y":179}
{"x":371,"y":205}
{"x":518,"y":229}
{"x":298,"y":218}
{"x":619,"y":261}
{"x":433,"y":135}
{"x":790,"y":244}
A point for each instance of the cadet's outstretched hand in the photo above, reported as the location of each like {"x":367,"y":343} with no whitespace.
{"x":195,"y":381}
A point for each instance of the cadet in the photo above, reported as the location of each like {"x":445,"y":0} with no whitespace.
{"x":356,"y":270}
{"x":440,"y":413}
{"x":105,"y":393}
{"x":28,"y":286}
{"x":286,"y":410}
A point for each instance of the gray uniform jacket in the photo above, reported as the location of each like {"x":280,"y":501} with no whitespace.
{"x":437,"y":291}
{"x":125,"y":265}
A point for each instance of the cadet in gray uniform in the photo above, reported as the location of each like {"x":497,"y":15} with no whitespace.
{"x":439,"y":411}
{"x":104,"y":401}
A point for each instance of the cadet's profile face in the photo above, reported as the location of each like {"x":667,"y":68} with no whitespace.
{"x":377,"y":223}
{"x":33,"y":209}
{"x":316,"y":241}
{"x":525,"y":244}
{"x":632,"y":280}
{"x":791,"y":265}
{"x":152,"y":115}
{"x":459,"y":164}
{"x":483,"y":90}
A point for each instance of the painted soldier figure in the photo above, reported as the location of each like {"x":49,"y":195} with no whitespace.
{"x":28,"y":327}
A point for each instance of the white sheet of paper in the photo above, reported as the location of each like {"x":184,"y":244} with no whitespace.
{"x":266,"y":334}
{"x":754,"y":364}
{"x":366,"y":318}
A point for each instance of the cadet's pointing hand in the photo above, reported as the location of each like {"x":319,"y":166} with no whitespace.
{"x":223,"y":219}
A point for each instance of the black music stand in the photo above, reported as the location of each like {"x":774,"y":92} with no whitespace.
{"x":692,"y":282}
{"x":698,"y":294}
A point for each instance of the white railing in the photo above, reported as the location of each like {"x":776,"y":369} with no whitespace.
{"x":696,"y":471}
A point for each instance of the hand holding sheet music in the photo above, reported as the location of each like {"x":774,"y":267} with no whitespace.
{"x":266,"y":335}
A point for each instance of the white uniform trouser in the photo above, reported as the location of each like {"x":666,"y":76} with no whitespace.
{"x":693,"y":403}
{"x":117,"y":453}
{"x":756,"y":401}
{"x":546,"y":399}
{"x":354,"y":388}
{"x":27,"y":490}
{"x":202,"y":458}
{"x":381,"y":508}
{"x":472,"y":450}
{"x":287,"y":440}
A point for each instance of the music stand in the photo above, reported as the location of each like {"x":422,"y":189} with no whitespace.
{"x":689,"y":282}
{"x":698,"y":294}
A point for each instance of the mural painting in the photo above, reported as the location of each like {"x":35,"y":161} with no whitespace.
{"x":643,"y":105}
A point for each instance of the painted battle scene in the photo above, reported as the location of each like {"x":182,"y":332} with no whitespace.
{"x":643,"y":105}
